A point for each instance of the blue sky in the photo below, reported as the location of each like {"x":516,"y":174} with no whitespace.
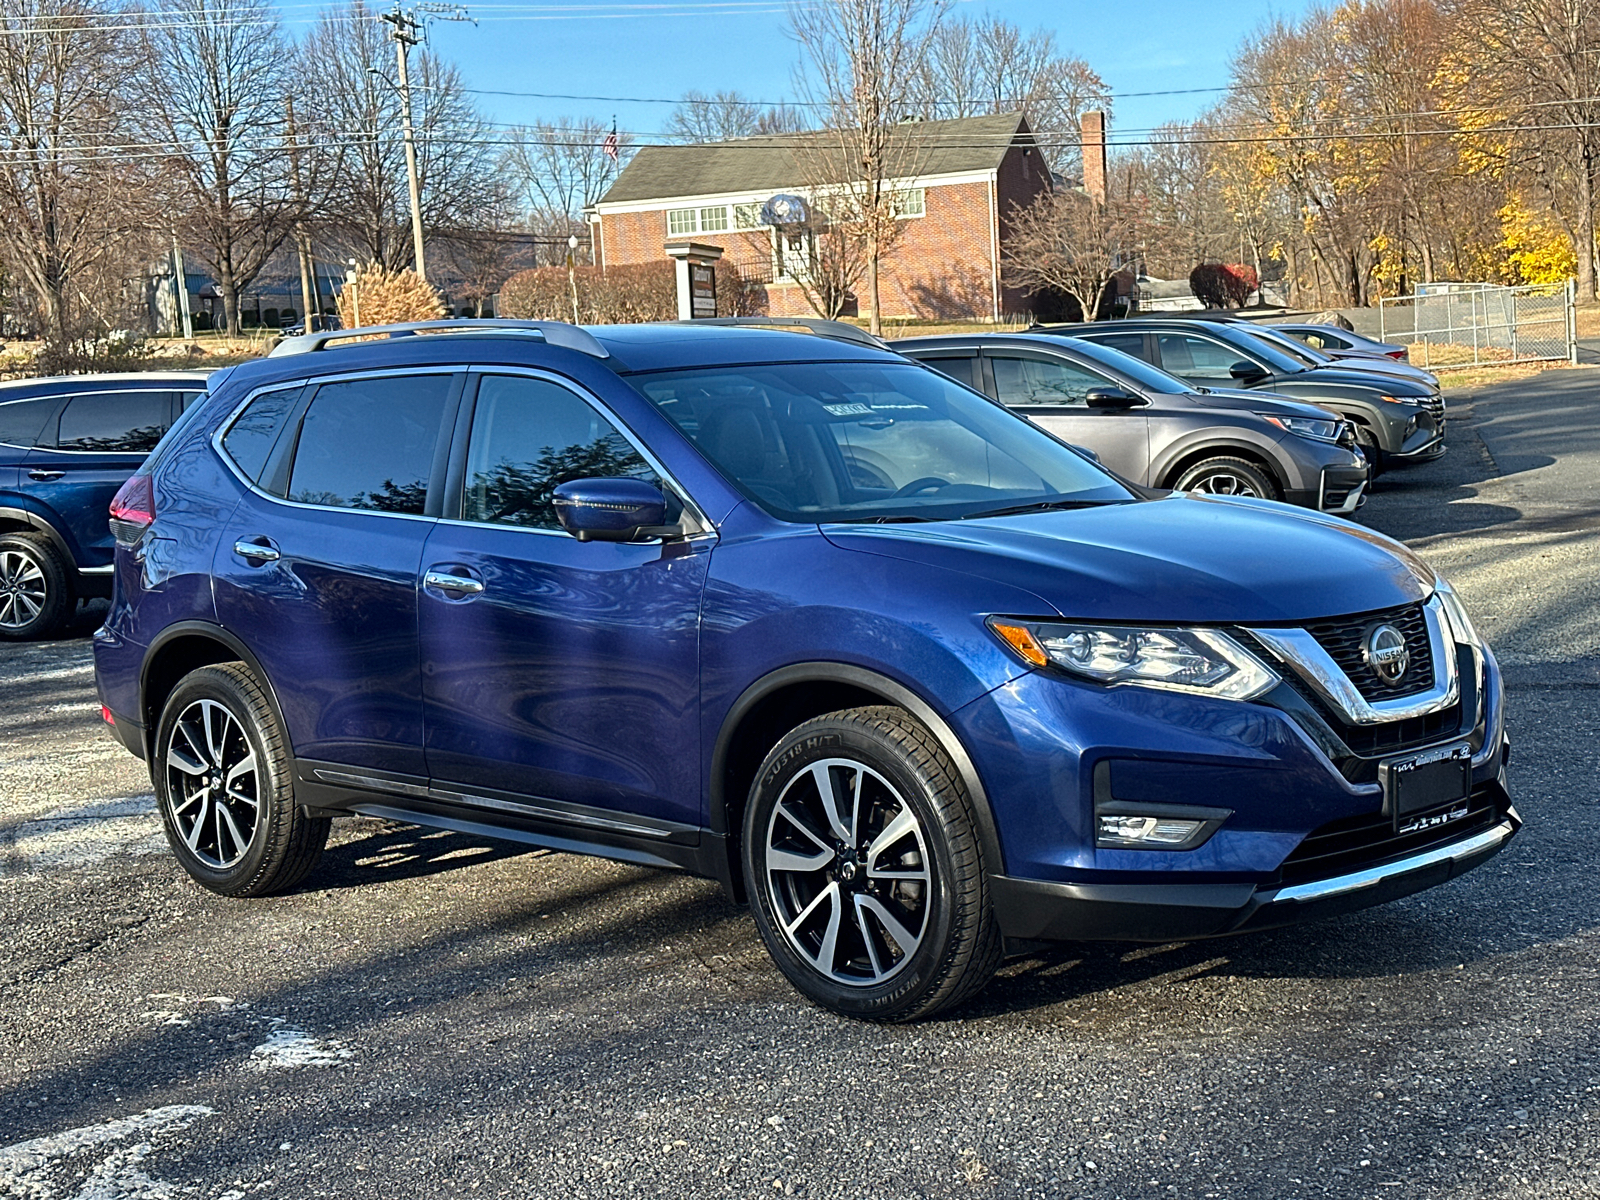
{"x":654,"y":48}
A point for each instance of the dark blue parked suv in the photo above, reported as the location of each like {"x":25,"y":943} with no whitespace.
{"x":634,"y":591}
{"x":66,"y":446}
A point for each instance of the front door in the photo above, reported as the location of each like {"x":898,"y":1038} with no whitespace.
{"x":99,"y":440}
{"x":1054,"y":393}
{"x":556,"y":669}
{"x":317,"y":571}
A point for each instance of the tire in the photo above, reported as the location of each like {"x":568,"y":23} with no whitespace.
{"x":1367,"y":441}
{"x":1223,"y":476}
{"x":905,"y":945}
{"x":36,"y":595}
{"x":252,"y":839}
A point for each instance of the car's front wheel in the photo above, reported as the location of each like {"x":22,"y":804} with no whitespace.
{"x":864,"y":868}
{"x":226,"y":790}
{"x":1228,"y":477}
{"x":35,"y":587}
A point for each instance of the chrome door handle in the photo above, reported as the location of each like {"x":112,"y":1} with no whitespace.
{"x":255,"y":550}
{"x":43,"y":476}
{"x":447,"y":582}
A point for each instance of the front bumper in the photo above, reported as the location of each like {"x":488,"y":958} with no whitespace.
{"x":1343,"y":490}
{"x":1031,"y":910}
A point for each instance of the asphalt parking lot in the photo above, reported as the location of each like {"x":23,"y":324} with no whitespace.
{"x":433,"y":1015}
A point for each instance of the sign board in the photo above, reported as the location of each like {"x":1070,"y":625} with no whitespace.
{"x":702,"y":291}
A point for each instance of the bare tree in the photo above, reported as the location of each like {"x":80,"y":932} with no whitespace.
{"x":210,"y":87}
{"x":70,"y":202}
{"x":1067,"y":242}
{"x":863,"y":58}
{"x":826,"y":257}
{"x":488,"y":253}
{"x":976,"y":68}
{"x":560,"y":168}
{"x":347,"y":61}
{"x":726,"y":115}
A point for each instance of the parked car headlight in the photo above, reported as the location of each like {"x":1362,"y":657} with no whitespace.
{"x":1311,"y":427}
{"x":1399,"y":399}
{"x":1202,"y":662}
{"x":1456,"y":613}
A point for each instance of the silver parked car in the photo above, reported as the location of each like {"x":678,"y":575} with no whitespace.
{"x":1342,"y":343}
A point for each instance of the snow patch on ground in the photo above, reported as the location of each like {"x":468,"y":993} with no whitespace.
{"x":29,"y":1170}
{"x":291,"y":1049}
{"x":82,"y":835}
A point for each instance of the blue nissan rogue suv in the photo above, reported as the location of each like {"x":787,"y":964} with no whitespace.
{"x":911,"y":676}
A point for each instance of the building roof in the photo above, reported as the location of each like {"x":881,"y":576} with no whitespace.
{"x":772,"y":163}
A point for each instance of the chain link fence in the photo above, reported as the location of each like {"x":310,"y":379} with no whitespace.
{"x":1482,"y":324}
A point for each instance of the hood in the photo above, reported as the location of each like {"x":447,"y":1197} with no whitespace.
{"x":1181,"y":559}
{"x":1381,"y":364}
{"x":1260,"y":402}
{"x":1353,"y":376}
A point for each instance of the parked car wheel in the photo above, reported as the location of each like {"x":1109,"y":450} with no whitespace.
{"x":36,"y":596}
{"x":1228,"y":477}
{"x":862,"y":862}
{"x":225,"y":788}
{"x":1367,"y":444}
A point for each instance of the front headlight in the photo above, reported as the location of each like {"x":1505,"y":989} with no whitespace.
{"x":1311,"y":427}
{"x":1399,"y":399}
{"x":1456,"y":613}
{"x":1201,"y":662}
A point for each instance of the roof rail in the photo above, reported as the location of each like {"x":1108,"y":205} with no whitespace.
{"x":841,"y":331}
{"x":555,"y":333}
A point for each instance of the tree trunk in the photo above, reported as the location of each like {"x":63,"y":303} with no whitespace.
{"x":1585,"y":231}
{"x":876,"y":316}
{"x":229,"y":288}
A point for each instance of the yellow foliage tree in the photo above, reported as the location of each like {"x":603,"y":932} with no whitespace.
{"x":1536,"y":248}
{"x":375,"y":296}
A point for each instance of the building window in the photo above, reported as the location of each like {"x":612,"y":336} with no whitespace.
{"x":747,"y":216}
{"x":697,"y":220}
{"x":911,"y":202}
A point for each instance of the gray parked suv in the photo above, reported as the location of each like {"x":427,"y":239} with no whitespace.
{"x":1155,"y":429}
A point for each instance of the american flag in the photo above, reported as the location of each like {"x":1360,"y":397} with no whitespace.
{"x":610,"y":145}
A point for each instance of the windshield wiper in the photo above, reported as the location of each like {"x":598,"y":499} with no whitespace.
{"x":1037,"y":506}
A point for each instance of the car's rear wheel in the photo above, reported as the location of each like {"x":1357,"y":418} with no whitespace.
{"x":864,"y":869}
{"x":1224,"y":476}
{"x":35,"y":587}
{"x":226,"y":790}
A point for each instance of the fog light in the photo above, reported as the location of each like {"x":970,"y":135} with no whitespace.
{"x":1124,"y":830}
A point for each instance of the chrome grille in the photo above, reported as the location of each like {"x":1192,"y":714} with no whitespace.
{"x":1353,"y":843}
{"x":1344,"y":637}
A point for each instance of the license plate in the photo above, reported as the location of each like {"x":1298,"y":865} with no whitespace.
{"x":1424,"y":781}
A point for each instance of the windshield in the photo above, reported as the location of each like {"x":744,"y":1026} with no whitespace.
{"x":1306,"y":354}
{"x":817,"y":442}
{"x":1151,"y":379}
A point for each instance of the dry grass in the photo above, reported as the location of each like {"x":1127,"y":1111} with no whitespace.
{"x":1589,"y":321}
{"x":1465,"y":377}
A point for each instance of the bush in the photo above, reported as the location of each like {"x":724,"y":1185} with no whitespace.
{"x":389,"y":298}
{"x":617,"y":295}
{"x":1223,"y":285}
{"x":119,"y":351}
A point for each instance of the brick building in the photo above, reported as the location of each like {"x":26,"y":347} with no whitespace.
{"x":946,"y":263}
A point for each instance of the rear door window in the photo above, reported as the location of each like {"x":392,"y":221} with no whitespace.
{"x":129,"y":422}
{"x":958,"y":367}
{"x":370,"y":443}
{"x":529,"y":436}
{"x":22,"y":422}
{"x":1128,"y":343}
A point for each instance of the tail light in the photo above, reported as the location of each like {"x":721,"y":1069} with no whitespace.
{"x":1400,"y":355}
{"x":133,"y":510}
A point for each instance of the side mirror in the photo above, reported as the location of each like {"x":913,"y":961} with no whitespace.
{"x":612,"y":510}
{"x":1246,"y":372}
{"x":1111,"y":397}
{"x":1085,"y":451}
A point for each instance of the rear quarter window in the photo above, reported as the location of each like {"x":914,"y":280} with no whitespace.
{"x":22,"y":422}
{"x":251,"y":437}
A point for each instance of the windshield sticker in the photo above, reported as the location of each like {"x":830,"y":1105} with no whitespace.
{"x":848,"y":410}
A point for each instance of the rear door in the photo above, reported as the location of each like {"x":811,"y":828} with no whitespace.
{"x":1053,"y":393}
{"x":93,"y":445}
{"x":316,"y":570}
{"x":22,"y":425}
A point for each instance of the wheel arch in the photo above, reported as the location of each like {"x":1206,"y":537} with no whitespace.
{"x":22,"y":520}
{"x":1173,"y":470}
{"x":783,"y":699}
{"x":184,"y":647}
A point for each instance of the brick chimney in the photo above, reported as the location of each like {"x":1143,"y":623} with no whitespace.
{"x":1094,"y":155}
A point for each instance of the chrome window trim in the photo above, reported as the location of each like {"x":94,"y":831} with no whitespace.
{"x":317,"y":381}
{"x":1338,"y":885}
{"x":707,"y":529}
{"x":1306,"y":657}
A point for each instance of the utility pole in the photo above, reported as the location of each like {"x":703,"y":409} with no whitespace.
{"x":182,"y":281}
{"x":309,"y":308}
{"x":407,"y":33}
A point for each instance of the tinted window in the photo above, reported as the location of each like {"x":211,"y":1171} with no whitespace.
{"x":22,"y":421}
{"x":1151,"y":379}
{"x":958,"y":368}
{"x":1022,"y":382}
{"x":251,"y":438}
{"x":869,"y":442}
{"x":1128,"y":343}
{"x":1195,"y":357}
{"x":528,"y":437}
{"x":369,"y":443}
{"x":115,"y":422}
{"x":187,"y":398}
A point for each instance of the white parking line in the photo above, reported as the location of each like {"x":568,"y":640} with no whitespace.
{"x":31,"y":1168}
